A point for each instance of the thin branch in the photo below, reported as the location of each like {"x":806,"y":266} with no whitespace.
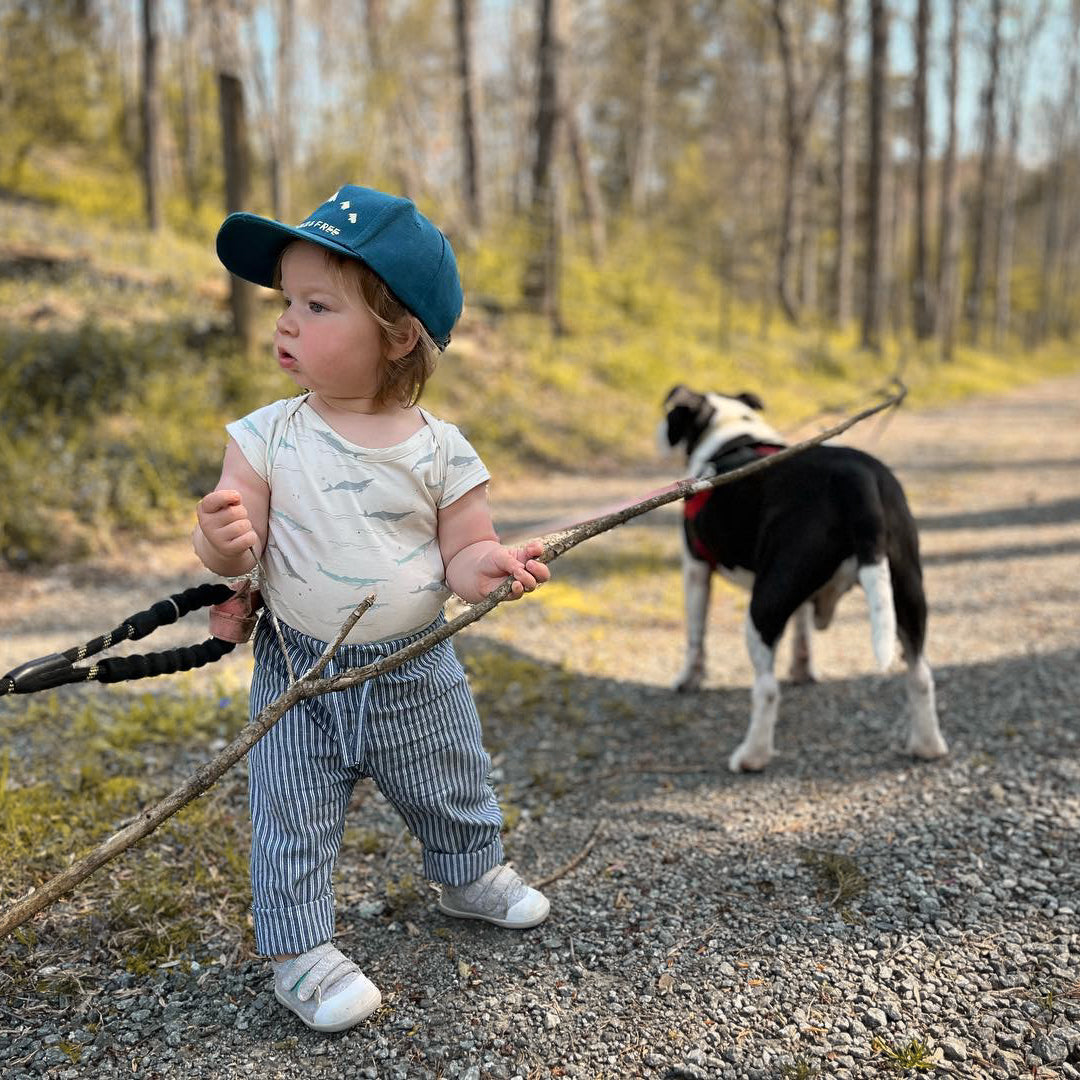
{"x":310,"y":685}
{"x":575,"y":862}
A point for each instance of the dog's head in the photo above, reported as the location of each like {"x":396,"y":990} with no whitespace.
{"x":700,"y":424}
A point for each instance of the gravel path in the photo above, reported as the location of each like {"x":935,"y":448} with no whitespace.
{"x":825,"y":918}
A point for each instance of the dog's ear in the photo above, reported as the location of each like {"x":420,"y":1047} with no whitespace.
{"x":748,"y":398}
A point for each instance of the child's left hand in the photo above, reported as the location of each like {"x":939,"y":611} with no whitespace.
{"x":498,"y":563}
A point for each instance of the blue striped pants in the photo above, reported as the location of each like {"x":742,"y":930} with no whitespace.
{"x":414,"y":731}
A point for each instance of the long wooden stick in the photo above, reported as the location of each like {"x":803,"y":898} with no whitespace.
{"x":310,"y":685}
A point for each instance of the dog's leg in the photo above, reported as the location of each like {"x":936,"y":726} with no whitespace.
{"x":697,"y":579}
{"x":756,"y":749}
{"x":924,"y":738}
{"x":802,"y":659}
{"x":924,"y":735}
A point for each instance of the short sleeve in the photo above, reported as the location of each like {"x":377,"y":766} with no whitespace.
{"x":464,"y":469}
{"x":256,"y":434}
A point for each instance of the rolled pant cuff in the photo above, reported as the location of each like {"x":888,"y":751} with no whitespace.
{"x":459,"y":868}
{"x":294,"y":929}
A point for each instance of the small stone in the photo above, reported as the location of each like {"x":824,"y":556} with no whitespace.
{"x":954,"y":1049}
{"x":1049,"y":1049}
{"x":875,"y":1018}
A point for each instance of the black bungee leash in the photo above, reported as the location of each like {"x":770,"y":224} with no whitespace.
{"x":58,"y":669}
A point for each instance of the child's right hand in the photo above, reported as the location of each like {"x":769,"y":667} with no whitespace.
{"x":225,"y":524}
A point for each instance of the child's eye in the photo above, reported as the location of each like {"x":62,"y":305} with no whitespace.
{"x":316,"y":307}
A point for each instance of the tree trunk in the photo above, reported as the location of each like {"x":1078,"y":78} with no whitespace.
{"x":1014,"y":96}
{"x":588,"y":187}
{"x":1053,"y":246}
{"x":921,"y":301}
{"x":641,"y":166}
{"x":395,"y":120}
{"x":949,"y":233}
{"x":879,"y":41}
{"x":236,"y":156}
{"x":282,"y":160}
{"x":470,"y":107}
{"x":980,"y":260}
{"x":189,"y":103}
{"x":541,"y":285}
{"x":151,"y":115}
{"x":794,"y":168}
{"x":845,"y":180}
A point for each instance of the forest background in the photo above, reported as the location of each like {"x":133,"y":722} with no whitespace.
{"x":799,"y":197}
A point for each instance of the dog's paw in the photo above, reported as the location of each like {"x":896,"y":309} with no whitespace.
{"x":802,"y":674}
{"x":690,"y":679}
{"x":748,"y":758}
{"x":928,"y":746}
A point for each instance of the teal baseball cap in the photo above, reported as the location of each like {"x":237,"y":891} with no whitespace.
{"x":385,"y":232}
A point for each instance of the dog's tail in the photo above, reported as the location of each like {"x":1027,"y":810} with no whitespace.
{"x":877,"y":584}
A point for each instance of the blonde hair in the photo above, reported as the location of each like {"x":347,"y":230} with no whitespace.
{"x":401,"y":380}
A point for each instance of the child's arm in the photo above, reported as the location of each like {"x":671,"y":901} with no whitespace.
{"x":233,"y":518}
{"x":475,"y":561}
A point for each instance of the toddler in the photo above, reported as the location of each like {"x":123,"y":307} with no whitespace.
{"x":346,"y":489}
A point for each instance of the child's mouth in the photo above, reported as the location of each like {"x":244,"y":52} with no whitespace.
{"x":286,"y":359}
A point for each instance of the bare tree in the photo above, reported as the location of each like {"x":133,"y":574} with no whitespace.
{"x":151,"y":115}
{"x":657,"y":17}
{"x":1006,"y":221}
{"x":189,"y":102}
{"x":877,"y":210}
{"x":801,"y":96}
{"x":980,"y":259}
{"x":845,"y":178}
{"x":1064,"y":126}
{"x":464,"y":24}
{"x":949,"y":232}
{"x":235,"y":153}
{"x":281,"y":143}
{"x":541,"y":284}
{"x":922,"y":306}
{"x":388,"y":96}
{"x":590,"y":191}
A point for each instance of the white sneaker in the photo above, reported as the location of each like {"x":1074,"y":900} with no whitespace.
{"x":325,"y":989}
{"x":498,"y":897}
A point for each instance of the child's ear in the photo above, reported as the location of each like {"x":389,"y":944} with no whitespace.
{"x":408,"y":335}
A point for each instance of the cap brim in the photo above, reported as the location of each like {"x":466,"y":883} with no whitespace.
{"x":250,"y":246}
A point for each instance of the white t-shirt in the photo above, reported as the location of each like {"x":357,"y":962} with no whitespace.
{"x":348,"y":520}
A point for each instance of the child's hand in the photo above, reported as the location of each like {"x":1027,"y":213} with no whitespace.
{"x":225,"y":524}
{"x":500,"y":563}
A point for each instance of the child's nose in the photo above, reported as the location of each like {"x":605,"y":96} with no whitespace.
{"x":286,"y":323}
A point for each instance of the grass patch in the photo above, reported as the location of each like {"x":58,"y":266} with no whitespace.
{"x":914,"y":1055}
{"x":838,"y":875}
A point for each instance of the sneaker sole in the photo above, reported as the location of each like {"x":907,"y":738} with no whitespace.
{"x":506,"y":924}
{"x":366,"y":1009}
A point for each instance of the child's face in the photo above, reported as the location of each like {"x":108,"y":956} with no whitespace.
{"x":326,"y":338}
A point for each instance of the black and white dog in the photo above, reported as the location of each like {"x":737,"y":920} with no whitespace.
{"x":798,"y":536}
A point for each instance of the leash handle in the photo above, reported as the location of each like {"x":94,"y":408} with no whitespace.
{"x":58,"y":669}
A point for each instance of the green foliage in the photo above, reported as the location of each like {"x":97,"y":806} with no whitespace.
{"x":914,"y":1055}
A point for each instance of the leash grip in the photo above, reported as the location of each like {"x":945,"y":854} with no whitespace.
{"x":234,"y":619}
{"x":41,"y":674}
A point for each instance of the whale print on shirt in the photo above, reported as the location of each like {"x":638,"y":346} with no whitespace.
{"x":355,"y":486}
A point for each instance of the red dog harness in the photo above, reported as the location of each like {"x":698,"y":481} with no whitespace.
{"x":694,"y":504}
